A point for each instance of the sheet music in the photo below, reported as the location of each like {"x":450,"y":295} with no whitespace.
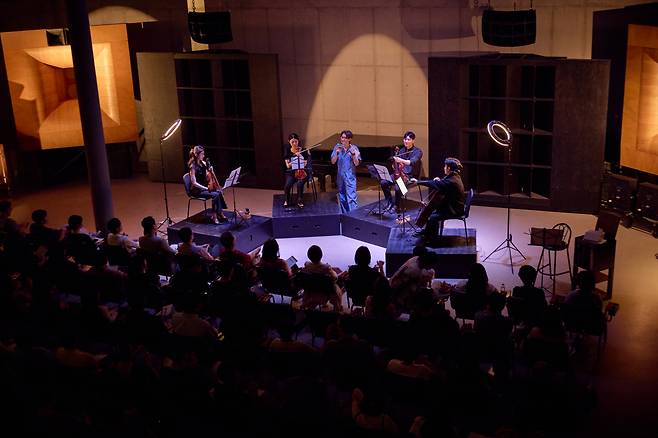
{"x":232,"y":178}
{"x":298,"y":163}
{"x":402,"y":186}
{"x":383,"y":173}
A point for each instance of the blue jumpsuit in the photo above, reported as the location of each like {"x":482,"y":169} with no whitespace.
{"x":346,"y":177}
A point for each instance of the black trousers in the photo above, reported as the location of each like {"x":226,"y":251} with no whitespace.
{"x":218,"y":202}
{"x":386,"y":188}
{"x":290,"y":182}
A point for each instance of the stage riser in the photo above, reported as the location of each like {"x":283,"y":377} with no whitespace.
{"x":306,"y":226}
{"x":375,"y":234}
{"x":455,"y":258}
{"x":317,"y":218}
{"x":248,"y":236}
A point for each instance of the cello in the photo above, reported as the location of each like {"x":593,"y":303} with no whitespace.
{"x":213,"y":183}
{"x":433,"y":201}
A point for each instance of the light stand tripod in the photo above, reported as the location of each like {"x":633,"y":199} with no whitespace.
{"x":167,"y":134}
{"x":507,"y":143}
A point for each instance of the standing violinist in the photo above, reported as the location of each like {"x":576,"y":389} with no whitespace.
{"x":203,"y":183}
{"x":296,"y":177}
{"x":450,"y":192}
{"x":404,"y":161}
{"x":346,"y":156}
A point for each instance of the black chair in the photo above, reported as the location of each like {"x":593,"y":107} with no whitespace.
{"x":159,"y":263}
{"x":276,"y":282}
{"x":116,"y":255}
{"x":465,"y":305}
{"x":582,"y":322}
{"x":190,"y":197}
{"x":552,"y":242}
{"x":359,"y":284}
{"x":463,"y":217}
{"x":316,"y":284}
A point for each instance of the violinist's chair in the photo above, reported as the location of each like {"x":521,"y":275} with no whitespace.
{"x":190,"y":197}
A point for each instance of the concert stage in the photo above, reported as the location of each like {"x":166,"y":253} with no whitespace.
{"x":455,"y":255}
{"x":249,"y":235}
{"x":366,"y":225}
{"x":323,"y":218}
{"x":316,"y":218}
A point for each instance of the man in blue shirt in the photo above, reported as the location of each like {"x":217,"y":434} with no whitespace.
{"x":404,"y":160}
{"x":347,"y":157}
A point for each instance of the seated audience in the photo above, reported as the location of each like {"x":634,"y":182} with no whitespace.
{"x":188,"y":248}
{"x":368,"y":412}
{"x":270,"y":257}
{"x":312,"y":297}
{"x":415,"y":274}
{"x":285,"y":344}
{"x":547,"y":341}
{"x":477,"y":286}
{"x":77,"y":243}
{"x":40,"y":234}
{"x":582,"y":308}
{"x":380,"y":305}
{"x":360,"y":278}
{"x":150,"y":242}
{"x":408,"y":363}
{"x":186,"y":321}
{"x":231,"y":254}
{"x":533,"y":297}
{"x":116,"y":236}
{"x":7,"y":224}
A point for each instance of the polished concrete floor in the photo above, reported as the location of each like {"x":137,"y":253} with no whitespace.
{"x":626,"y":376}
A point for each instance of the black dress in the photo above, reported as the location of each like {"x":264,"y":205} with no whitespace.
{"x":218,"y":202}
{"x":291,"y":180}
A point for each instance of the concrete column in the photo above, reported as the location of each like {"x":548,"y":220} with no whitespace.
{"x":90,"y":112}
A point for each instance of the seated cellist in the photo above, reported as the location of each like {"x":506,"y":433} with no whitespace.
{"x":447,"y":201}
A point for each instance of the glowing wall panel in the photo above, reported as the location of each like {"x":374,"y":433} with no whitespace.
{"x":44,"y":95}
{"x":639,"y":135}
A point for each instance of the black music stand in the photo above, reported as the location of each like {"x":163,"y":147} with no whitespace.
{"x":506,"y":143}
{"x":233,"y":180}
{"x":403,"y":208}
{"x":378,"y":173}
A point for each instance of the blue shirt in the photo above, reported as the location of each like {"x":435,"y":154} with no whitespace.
{"x":346,"y":166}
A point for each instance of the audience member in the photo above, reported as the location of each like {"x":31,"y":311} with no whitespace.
{"x":533,"y":297}
{"x":313,"y":297}
{"x":285,"y":344}
{"x":116,"y":236}
{"x":41,"y":234}
{"x":270,"y":257}
{"x":77,"y":243}
{"x":368,"y":411}
{"x":7,"y":224}
{"x":150,"y":242}
{"x":415,"y":274}
{"x":186,"y":321}
{"x":360,"y":278}
{"x":380,"y":304}
{"x":188,"y":248}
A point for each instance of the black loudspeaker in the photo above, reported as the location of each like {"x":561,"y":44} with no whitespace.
{"x":509,"y":28}
{"x":619,"y":192}
{"x":210,"y":27}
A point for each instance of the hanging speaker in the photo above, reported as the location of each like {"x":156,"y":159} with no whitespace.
{"x":210,"y":27}
{"x":509,"y":28}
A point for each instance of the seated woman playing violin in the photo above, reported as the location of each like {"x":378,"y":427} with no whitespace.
{"x":299,"y":176}
{"x":403,"y":164}
{"x":204,"y":184}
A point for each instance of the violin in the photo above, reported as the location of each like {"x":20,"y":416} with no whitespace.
{"x":213,"y":183}
{"x":398,"y":168}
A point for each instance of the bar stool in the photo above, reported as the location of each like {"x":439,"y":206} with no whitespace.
{"x":554,"y":240}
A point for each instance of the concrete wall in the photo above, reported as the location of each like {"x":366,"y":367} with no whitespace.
{"x":362,"y":64}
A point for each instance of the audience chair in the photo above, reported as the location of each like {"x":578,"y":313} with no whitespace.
{"x":581,"y":323}
{"x":463,"y":217}
{"x":318,"y":322}
{"x":190,"y":197}
{"x":277,"y":282}
{"x":464,"y":305}
{"x":116,"y":255}
{"x":552,"y":242}
{"x":315,"y":284}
